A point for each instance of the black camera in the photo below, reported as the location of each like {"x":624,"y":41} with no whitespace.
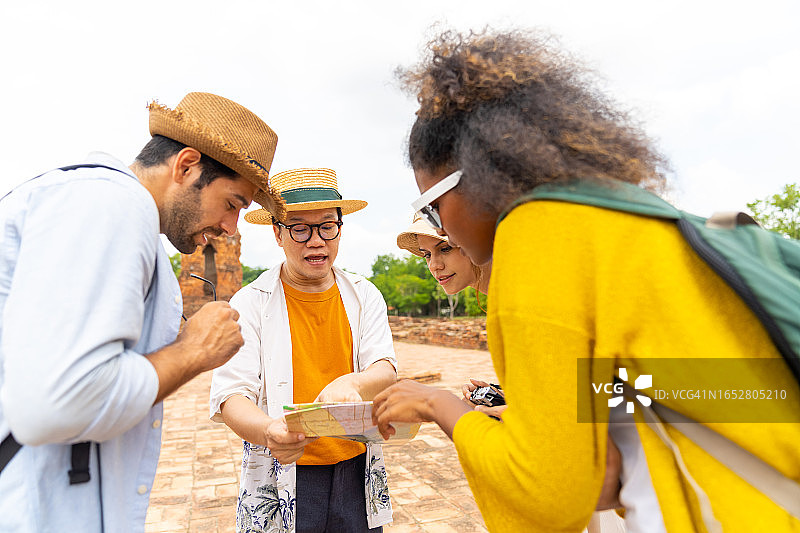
{"x":490,"y":396}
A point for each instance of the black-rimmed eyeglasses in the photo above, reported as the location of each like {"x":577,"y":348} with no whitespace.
{"x":422,"y":205}
{"x":301,"y":233}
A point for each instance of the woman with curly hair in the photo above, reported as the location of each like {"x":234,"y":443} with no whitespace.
{"x":500,"y":115}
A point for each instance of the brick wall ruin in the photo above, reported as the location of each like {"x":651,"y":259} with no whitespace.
{"x":218,"y":262}
{"x":461,"y":333}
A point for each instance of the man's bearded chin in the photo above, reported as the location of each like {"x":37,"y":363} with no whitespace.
{"x":182,"y":221}
{"x":185,"y":244}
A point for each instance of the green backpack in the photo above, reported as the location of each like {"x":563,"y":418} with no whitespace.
{"x":763,"y":267}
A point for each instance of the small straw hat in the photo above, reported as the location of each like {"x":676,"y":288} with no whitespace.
{"x":304,"y":189}
{"x":408,"y":239}
{"x":226,"y":132}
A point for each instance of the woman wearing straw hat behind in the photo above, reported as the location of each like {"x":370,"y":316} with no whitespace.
{"x":451,"y":268}
{"x":454,"y":272}
{"x":581,"y":294}
{"x":312,"y":333}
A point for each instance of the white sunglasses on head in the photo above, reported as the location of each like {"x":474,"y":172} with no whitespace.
{"x":422,"y":205}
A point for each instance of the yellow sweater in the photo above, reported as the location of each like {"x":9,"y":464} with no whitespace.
{"x":571,"y":281}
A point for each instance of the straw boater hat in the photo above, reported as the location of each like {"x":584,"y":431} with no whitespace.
{"x":408,"y":239}
{"x":226,"y":132}
{"x":304,"y":189}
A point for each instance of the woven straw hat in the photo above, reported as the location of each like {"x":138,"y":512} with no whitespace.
{"x":224,"y":131}
{"x":408,"y":239}
{"x":304,"y":189}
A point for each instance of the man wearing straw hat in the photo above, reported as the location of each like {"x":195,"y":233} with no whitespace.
{"x":312,"y":332}
{"x":91,"y":310}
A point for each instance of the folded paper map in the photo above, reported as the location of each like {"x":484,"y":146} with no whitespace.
{"x":345,"y":420}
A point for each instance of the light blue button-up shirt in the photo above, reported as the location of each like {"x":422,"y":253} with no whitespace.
{"x":86,"y":288}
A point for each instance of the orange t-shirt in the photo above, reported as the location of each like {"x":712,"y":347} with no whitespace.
{"x":322,"y":350}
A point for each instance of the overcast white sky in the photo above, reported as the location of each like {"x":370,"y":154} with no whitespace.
{"x":717,"y":83}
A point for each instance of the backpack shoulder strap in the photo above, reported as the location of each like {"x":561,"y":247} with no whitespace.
{"x":619,"y":196}
{"x":79,"y":473}
{"x":70,"y":167}
{"x":8,"y":449}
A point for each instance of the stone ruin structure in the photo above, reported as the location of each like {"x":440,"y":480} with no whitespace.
{"x":218,"y":262}
{"x":469,"y":333}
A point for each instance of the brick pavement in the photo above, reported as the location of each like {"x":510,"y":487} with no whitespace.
{"x":198,"y":474}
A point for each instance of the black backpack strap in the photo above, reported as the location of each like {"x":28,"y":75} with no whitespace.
{"x":80,"y":463}
{"x":8,"y":449}
{"x":71,"y":167}
{"x":89,"y":165}
{"x":80,"y":458}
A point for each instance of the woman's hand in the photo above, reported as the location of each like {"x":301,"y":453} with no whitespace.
{"x":467,"y":389}
{"x":405,"y":401}
{"x":409,"y":401}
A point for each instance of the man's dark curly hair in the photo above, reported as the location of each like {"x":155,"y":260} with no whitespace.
{"x":511,"y":111}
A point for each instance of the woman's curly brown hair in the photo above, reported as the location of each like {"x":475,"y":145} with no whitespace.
{"x":512,"y":111}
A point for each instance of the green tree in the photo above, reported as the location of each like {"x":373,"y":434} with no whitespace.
{"x":384,"y":264}
{"x":411,"y":294}
{"x":780,"y":212}
{"x":175,"y":260}
{"x":473,"y":308}
{"x":451,"y":305}
{"x":249,"y":274}
{"x":405,"y":284}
